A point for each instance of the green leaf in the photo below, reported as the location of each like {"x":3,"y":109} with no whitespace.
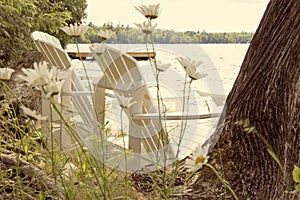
{"x":274,"y":156}
{"x":26,"y":149}
{"x":296,"y":175}
{"x":249,"y":129}
{"x":297,"y":188}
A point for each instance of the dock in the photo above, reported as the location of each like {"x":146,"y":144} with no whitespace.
{"x":77,"y":55}
{"x":141,"y":55}
{"x":84,"y":52}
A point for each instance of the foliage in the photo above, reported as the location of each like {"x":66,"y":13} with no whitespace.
{"x":19,"y":18}
{"x":32,"y":167}
{"x":75,"y":7}
{"x":126,"y":34}
{"x":296,"y":178}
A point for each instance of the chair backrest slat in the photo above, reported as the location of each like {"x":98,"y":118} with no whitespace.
{"x":51,"y":49}
{"x":119,"y":69}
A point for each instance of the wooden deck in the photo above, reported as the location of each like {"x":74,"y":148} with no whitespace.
{"x":76,"y":55}
{"x":142,"y":55}
{"x":136,"y":55}
{"x":84,"y":51}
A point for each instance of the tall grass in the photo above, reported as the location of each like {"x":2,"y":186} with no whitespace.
{"x":37,"y":167}
{"x":33,"y":167}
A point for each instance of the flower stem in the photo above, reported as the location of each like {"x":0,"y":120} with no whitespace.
{"x":125,"y":155}
{"x":222,"y":180}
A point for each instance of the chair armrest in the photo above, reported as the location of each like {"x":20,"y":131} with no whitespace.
{"x":76,"y":93}
{"x":173,"y":116}
{"x":85,"y":92}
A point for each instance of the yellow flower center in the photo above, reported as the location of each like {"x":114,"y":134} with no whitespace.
{"x":200,"y":159}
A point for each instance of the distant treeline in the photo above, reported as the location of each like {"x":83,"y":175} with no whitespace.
{"x":126,"y":34}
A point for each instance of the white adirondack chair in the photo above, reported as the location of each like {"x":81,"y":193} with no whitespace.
{"x":147,"y":139}
{"x":73,"y":93}
{"x":121,"y":74}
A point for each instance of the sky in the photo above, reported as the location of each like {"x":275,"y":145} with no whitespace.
{"x":182,"y":15}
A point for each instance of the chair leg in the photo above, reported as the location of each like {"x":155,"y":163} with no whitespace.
{"x":57,"y":135}
{"x":46,"y":112}
{"x":135,"y":145}
{"x":134,"y":142}
{"x":100,"y":104}
{"x":66,"y":139}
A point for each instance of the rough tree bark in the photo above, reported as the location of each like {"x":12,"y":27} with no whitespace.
{"x":266,"y":92}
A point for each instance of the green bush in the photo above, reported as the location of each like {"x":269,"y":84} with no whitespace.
{"x":19,"y":18}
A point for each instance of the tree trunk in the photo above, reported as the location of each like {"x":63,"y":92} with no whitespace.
{"x":266,"y":93}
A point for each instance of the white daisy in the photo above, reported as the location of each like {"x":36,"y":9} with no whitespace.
{"x":146,"y":27}
{"x":36,"y":77}
{"x":55,"y":74}
{"x":160,"y":66}
{"x":198,"y":158}
{"x":190,"y":66}
{"x":32,"y":114}
{"x":187,"y":62}
{"x":5,"y":73}
{"x":151,"y":11}
{"x":105,"y":34}
{"x":75,"y":30}
{"x":125,"y":102}
{"x":194,"y":74}
{"x":48,"y":80}
{"x":53,"y":88}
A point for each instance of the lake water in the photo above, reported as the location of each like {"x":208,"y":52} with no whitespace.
{"x":223,"y":58}
{"x":221,"y":63}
